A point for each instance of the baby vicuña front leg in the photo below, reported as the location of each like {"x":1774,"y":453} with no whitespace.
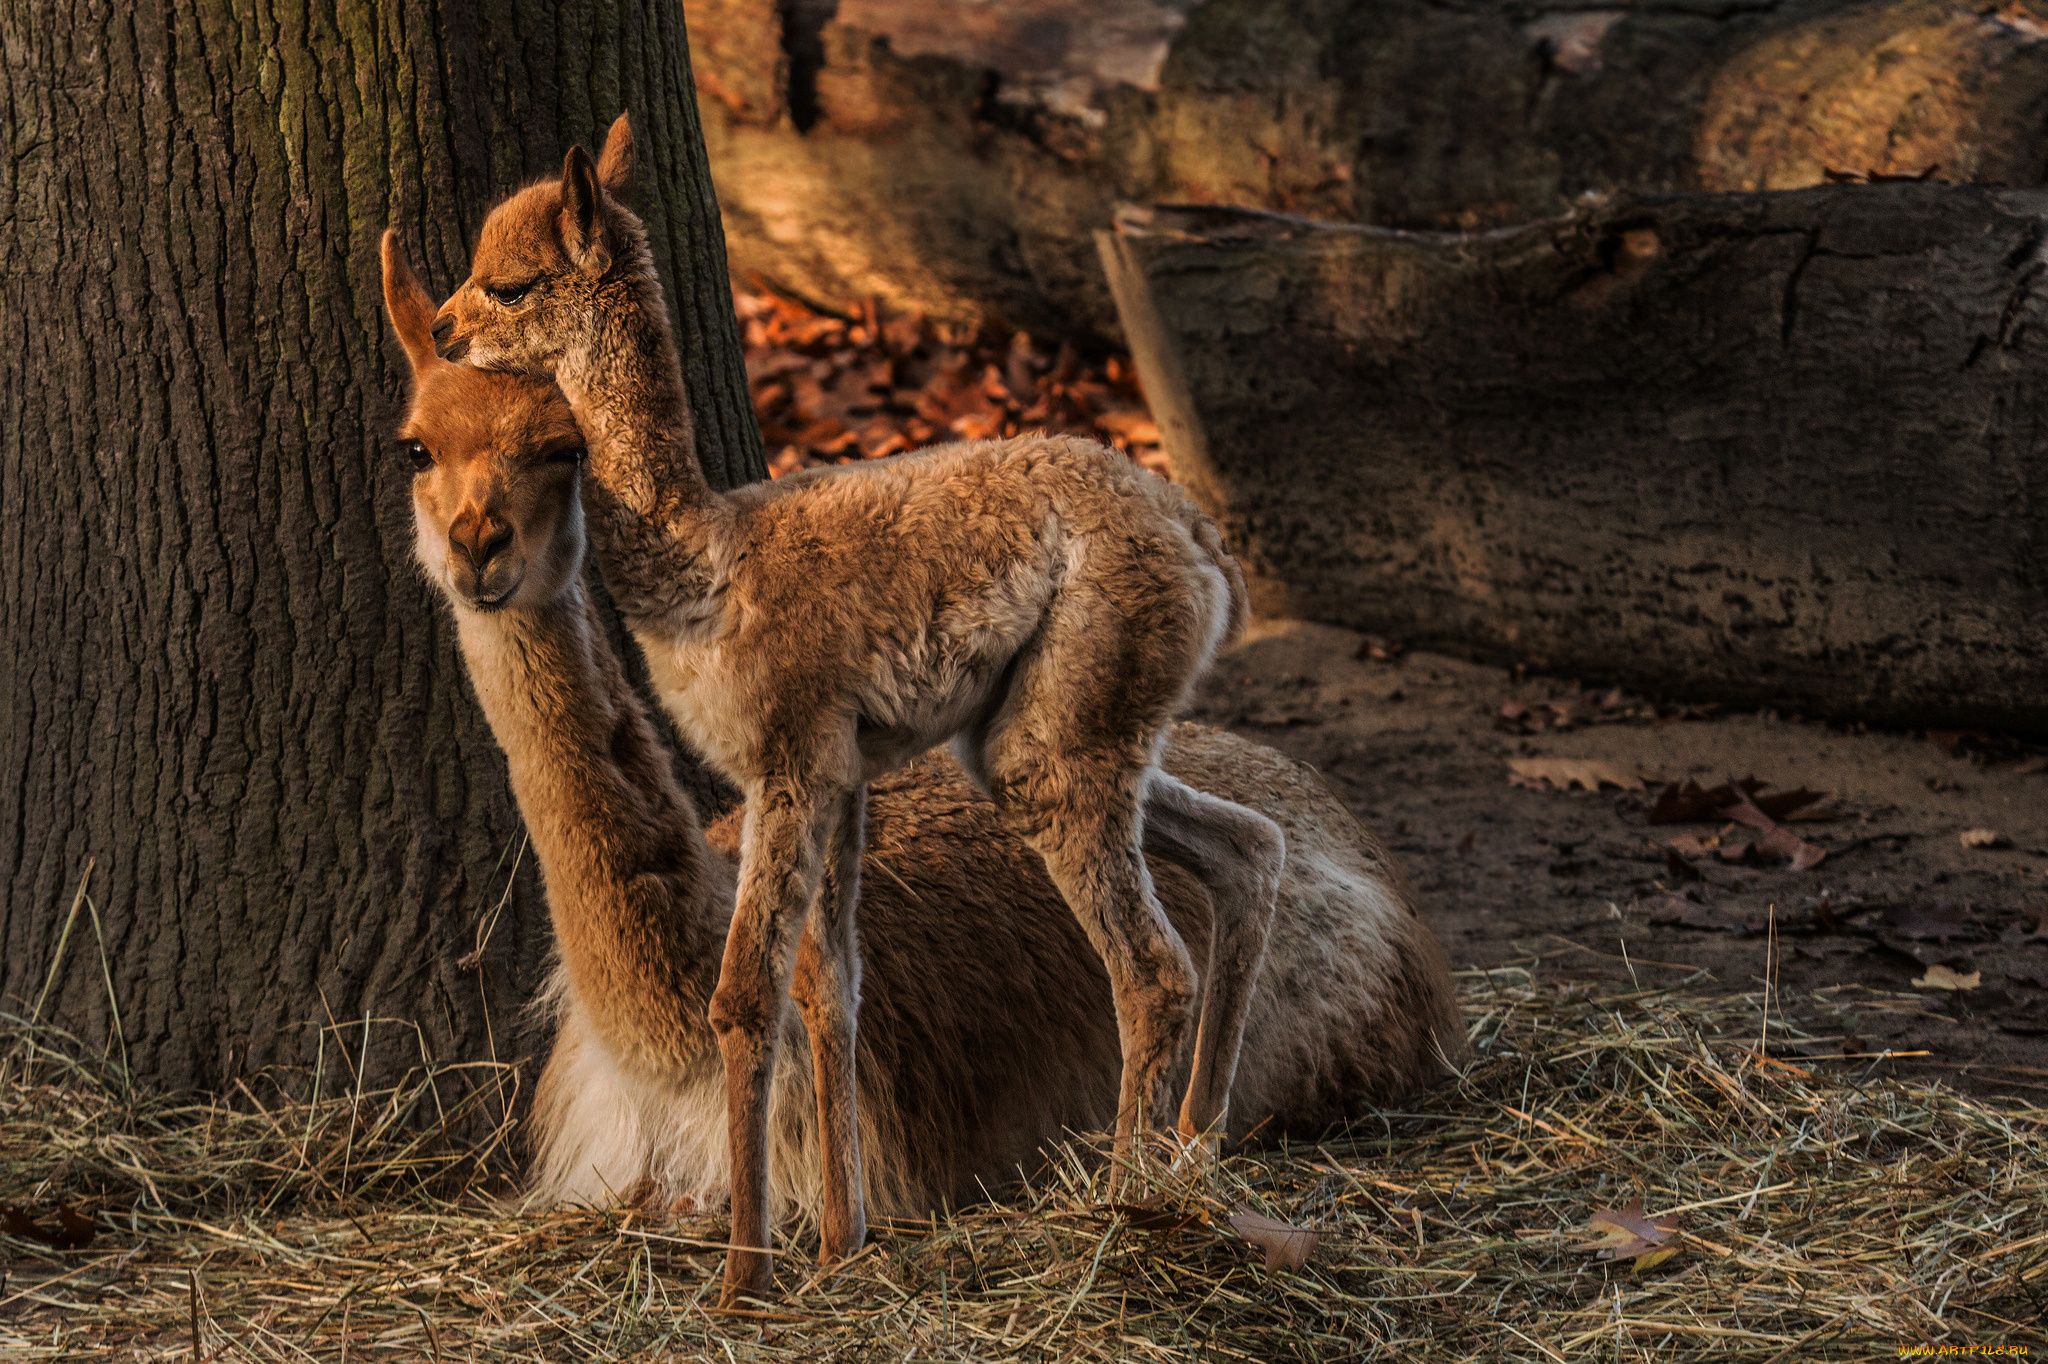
{"x":789,"y":824}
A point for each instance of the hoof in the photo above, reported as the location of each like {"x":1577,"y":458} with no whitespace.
{"x":747,"y":1274}
{"x":833,"y":1250}
{"x":1195,"y":1152}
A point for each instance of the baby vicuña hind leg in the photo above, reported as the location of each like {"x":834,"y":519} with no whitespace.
{"x":1066,"y":758}
{"x":1079,"y":811}
{"x":826,"y":988}
{"x":1238,"y":854}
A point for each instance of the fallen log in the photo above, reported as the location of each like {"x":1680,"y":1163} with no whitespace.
{"x":956,"y":158}
{"x":1765,"y":448}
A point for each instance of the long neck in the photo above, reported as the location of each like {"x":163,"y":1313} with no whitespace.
{"x":656,"y":524}
{"x":639,"y":902}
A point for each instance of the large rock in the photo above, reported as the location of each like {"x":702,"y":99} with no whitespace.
{"x":1786,"y":448}
{"x":954,"y":157}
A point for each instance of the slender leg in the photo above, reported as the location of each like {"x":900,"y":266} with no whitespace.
{"x":827,"y":993}
{"x":1238,"y":854}
{"x":781,"y":857}
{"x":1067,"y":757}
{"x":1084,"y":824}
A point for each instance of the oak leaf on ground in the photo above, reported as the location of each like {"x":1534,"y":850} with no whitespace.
{"x":1687,"y":802}
{"x":1940,"y":977}
{"x":1287,"y":1246}
{"x":1630,"y":1233}
{"x":1773,"y":837}
{"x":1562,"y":774}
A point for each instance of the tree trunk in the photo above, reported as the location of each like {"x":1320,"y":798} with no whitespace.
{"x":226,"y":682}
{"x":1765,"y":448}
{"x":955,"y":158}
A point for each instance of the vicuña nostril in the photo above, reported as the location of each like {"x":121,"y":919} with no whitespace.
{"x":442,"y":326}
{"x":488,"y":550}
{"x":478,"y":541}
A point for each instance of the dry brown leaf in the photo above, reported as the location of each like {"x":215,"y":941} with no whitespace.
{"x":1146,"y":1217}
{"x":1687,"y":802}
{"x":1629,"y":1233}
{"x":1690,"y":908}
{"x":1561,"y":774}
{"x":1287,"y":1247}
{"x":1132,"y":426}
{"x":1984,"y":838}
{"x":74,"y":1229}
{"x":828,"y":390}
{"x":2031,"y":926}
{"x":1516,"y":718}
{"x":1940,"y":977}
{"x":1773,"y":837}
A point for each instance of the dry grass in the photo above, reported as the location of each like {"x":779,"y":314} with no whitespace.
{"x":1825,"y":1216}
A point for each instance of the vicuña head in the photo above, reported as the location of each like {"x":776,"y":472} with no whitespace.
{"x":495,"y":460}
{"x":543,"y":260}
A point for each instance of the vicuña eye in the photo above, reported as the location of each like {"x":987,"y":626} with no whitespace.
{"x":508,"y":294}
{"x":572,"y":455}
{"x":417,"y":453}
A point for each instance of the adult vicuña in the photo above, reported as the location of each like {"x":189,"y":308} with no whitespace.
{"x":987,"y":1034}
{"x":1042,"y":602}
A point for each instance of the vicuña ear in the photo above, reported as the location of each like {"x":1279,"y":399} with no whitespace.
{"x":582,"y":224}
{"x":410,"y":306}
{"x":615,"y":162}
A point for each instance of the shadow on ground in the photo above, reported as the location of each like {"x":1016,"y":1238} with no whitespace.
{"x":1417,"y":745}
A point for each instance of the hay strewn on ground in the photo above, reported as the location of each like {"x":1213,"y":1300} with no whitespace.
{"x":1825,"y":1216}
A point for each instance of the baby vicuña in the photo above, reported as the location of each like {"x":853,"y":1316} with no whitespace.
{"x":1041,"y":602}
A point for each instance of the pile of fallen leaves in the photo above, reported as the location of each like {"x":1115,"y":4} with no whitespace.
{"x":1634,"y":1176}
{"x":829,"y":390}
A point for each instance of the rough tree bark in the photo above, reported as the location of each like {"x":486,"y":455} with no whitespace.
{"x":223,"y":679}
{"x":1780,"y":448}
{"x":955,"y":158}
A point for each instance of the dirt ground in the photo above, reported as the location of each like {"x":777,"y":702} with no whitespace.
{"x":1582,"y":886}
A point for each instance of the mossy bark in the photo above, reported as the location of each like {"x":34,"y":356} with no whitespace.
{"x":225,"y":681}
